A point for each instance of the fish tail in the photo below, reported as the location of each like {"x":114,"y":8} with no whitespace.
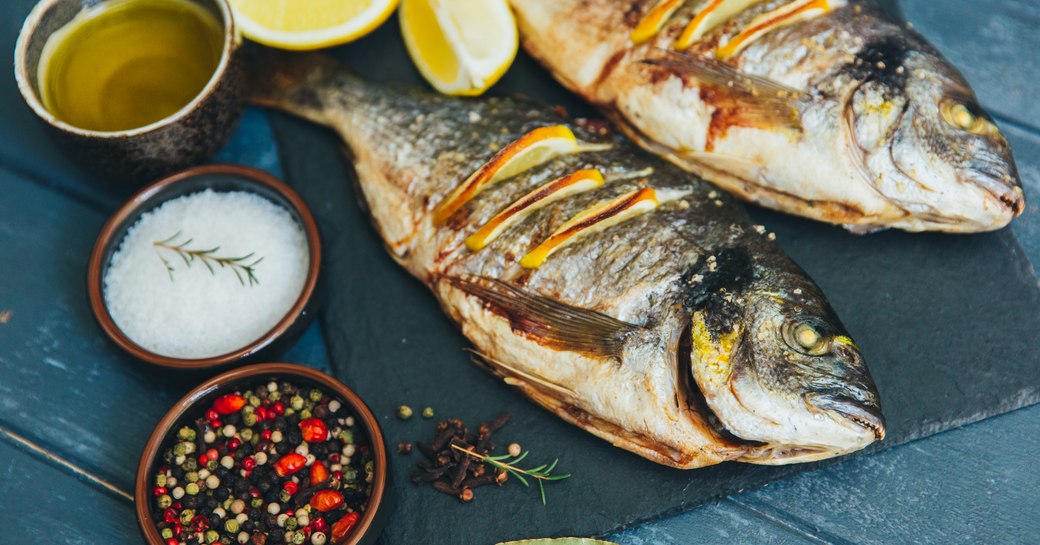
{"x":293,"y":82}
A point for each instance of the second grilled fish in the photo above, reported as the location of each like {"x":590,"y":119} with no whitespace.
{"x":821,"y":108}
{"x":622,"y":294}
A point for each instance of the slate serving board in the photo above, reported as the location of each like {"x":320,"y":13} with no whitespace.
{"x":947,"y":324}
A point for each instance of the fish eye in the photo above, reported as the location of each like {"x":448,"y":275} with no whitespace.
{"x":805,"y":338}
{"x":958,"y":115}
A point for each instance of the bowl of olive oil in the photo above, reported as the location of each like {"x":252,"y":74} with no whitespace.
{"x":132,"y":89}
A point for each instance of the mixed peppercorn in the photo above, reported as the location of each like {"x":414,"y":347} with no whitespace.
{"x":275,"y":464}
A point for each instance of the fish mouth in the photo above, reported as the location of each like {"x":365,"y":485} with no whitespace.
{"x":1004,"y":188}
{"x":852,"y":412}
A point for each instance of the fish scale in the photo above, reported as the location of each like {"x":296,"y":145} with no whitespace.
{"x":602,"y":332}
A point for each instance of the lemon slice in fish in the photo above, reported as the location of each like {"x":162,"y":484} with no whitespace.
{"x":462,"y":47}
{"x":530,"y":150}
{"x":309,"y":24}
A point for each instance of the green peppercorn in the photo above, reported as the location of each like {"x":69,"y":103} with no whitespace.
{"x":166,"y":533}
{"x":186,"y":516}
{"x":347,"y":436}
{"x":246,"y":434}
{"x":305,"y":414}
{"x":160,"y":479}
{"x":212,"y":465}
{"x":212,"y":535}
{"x":298,"y":538}
{"x":191,"y":476}
{"x":274,"y":396}
{"x":289,"y":411}
{"x":291,"y":523}
{"x":180,"y":449}
{"x":427,"y":412}
{"x":191,"y":489}
{"x":253,"y":400}
{"x":284,"y":496}
{"x":186,"y":434}
{"x":404,"y":412}
{"x":296,"y":402}
{"x":164,"y":501}
{"x":257,"y":502}
{"x":191,"y":464}
{"x":227,"y":503}
{"x":249,"y":419}
{"x":315,"y":395}
{"x":349,"y":475}
{"x":231,"y":526}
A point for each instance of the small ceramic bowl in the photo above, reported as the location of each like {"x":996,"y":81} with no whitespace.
{"x":187,"y":137}
{"x":371,"y":523}
{"x":219,"y":178}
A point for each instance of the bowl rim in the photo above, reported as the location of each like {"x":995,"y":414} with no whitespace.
{"x":232,"y":40}
{"x":95,"y":288}
{"x":381,"y":457}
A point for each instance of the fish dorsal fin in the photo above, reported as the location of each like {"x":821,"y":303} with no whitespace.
{"x":756,"y":101}
{"x":547,"y":321}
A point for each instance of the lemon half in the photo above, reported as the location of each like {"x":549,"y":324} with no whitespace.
{"x":309,"y":24}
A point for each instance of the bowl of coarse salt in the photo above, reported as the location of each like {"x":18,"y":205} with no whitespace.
{"x":212,"y":266}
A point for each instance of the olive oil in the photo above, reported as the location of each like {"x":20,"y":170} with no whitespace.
{"x":123,"y":64}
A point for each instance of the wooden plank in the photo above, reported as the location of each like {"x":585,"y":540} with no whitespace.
{"x":65,"y":386}
{"x":719,"y":523}
{"x":46,"y":505}
{"x":972,"y":485}
{"x":993,"y":42}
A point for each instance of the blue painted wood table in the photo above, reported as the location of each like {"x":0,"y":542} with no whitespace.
{"x":74,"y":412}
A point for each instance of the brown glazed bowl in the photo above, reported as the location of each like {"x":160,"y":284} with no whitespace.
{"x":371,"y":523}
{"x":218,"y":178}
{"x":187,"y":137}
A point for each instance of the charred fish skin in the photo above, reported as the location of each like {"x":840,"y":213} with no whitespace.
{"x":830,"y":111}
{"x":661,"y":293}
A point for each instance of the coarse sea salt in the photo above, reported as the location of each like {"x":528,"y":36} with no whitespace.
{"x":190,"y":311}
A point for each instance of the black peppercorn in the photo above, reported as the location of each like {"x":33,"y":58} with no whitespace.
{"x":282,"y":448}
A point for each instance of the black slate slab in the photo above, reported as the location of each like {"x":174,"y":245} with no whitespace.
{"x":947,"y":324}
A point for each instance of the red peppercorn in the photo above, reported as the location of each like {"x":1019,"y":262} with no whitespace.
{"x":265,"y":435}
{"x":338,"y":475}
{"x":326,"y":500}
{"x":291,"y":487}
{"x":169,"y":516}
{"x":289,"y":464}
{"x":159,"y":490}
{"x":177,"y":529}
{"x":203,"y":459}
{"x":229,"y":404}
{"x":334,"y":458}
{"x":234,"y":443}
{"x":212,"y":415}
{"x":278,"y":407}
{"x":319,"y":524}
{"x":344,"y":526}
{"x":254,"y":492}
{"x":172,"y":541}
{"x":200,"y":523}
{"x":318,"y":473}
{"x":314,"y":430}
{"x":248,"y":463}
{"x":176,"y":507}
{"x":212,"y":454}
{"x":289,"y":512}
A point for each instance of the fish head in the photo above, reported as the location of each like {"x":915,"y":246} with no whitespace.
{"x":920,"y":137}
{"x":778,"y":369}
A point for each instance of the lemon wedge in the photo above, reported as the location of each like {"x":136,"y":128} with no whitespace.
{"x":309,"y":24}
{"x":462,"y":47}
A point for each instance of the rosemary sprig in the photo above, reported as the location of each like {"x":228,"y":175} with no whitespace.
{"x":540,"y":474}
{"x":238,"y":265}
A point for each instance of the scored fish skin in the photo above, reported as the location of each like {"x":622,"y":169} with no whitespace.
{"x":615,"y":332}
{"x":873,"y":144}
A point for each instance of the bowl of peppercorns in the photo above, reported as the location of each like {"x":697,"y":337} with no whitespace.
{"x":263,"y":455}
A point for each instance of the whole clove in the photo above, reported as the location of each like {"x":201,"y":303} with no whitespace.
{"x":451,"y":471}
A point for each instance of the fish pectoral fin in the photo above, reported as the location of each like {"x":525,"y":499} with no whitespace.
{"x":547,"y":321}
{"x":749,"y":100}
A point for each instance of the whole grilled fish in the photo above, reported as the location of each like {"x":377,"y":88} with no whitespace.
{"x":624,"y":295}
{"x":822,"y":108}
